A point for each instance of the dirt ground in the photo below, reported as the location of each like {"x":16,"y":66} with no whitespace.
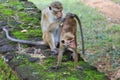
{"x":110,"y":9}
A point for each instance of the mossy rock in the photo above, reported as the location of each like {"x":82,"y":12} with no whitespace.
{"x":27,"y":73}
{"x":7,"y":12}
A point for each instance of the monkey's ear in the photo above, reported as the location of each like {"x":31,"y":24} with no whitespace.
{"x":72,"y":15}
{"x":50,"y":8}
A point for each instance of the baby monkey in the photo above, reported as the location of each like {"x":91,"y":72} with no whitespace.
{"x":68,"y":38}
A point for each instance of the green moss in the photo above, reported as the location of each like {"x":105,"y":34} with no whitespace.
{"x":17,"y":5}
{"x":26,"y":35}
{"x":44,"y":72}
{"x":22,"y":14}
{"x":1,"y":6}
{"x":7,"y":12}
{"x":28,"y":18}
{"x":67,"y":72}
{"x":5,"y":72}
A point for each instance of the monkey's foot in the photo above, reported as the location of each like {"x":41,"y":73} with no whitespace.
{"x":55,"y":51}
{"x":57,"y":44}
{"x":79,"y":68}
{"x":54,"y":67}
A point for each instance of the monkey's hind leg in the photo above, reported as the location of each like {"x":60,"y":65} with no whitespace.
{"x":76,"y":61}
{"x":49,"y":40}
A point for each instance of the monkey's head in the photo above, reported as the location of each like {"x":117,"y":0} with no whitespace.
{"x":56,"y":8}
{"x":68,"y":40}
{"x":70,"y":15}
{"x":69,"y":19}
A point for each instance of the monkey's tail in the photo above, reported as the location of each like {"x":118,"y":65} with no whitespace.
{"x":21,"y":41}
{"x":82,"y":38}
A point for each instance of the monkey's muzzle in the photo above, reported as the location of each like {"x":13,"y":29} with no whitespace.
{"x":68,"y":43}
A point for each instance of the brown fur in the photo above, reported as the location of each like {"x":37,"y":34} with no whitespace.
{"x":68,"y":39}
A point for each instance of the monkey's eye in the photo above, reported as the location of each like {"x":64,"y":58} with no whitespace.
{"x":69,"y":39}
{"x":55,"y":12}
{"x":62,"y":41}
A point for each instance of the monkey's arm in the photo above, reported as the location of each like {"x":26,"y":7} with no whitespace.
{"x":44,"y":21}
{"x":53,"y":26}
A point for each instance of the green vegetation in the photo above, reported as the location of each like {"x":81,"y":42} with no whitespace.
{"x":98,"y":35}
{"x":7,"y":12}
{"x":20,"y":19}
{"x":5,"y":72}
{"x":27,"y":35}
{"x":66,"y":72}
{"x":114,"y":38}
{"x":117,"y":1}
{"x":99,"y":40}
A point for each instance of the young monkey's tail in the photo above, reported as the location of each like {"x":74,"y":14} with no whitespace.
{"x":81,"y":32}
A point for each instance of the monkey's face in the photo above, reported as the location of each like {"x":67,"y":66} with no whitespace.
{"x":68,"y":40}
{"x":56,"y":8}
{"x":68,"y":43}
{"x":57,"y":13}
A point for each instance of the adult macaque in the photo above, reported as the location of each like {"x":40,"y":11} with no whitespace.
{"x":50,"y":20}
{"x":68,"y":38}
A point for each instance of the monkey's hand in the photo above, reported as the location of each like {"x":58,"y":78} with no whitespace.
{"x":52,"y":27}
{"x":79,"y":68}
{"x":55,"y":51}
